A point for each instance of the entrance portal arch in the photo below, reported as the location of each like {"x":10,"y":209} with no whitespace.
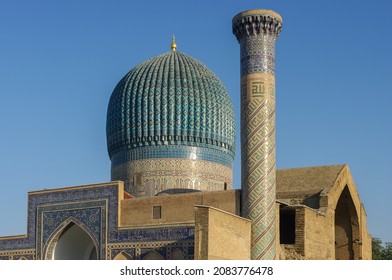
{"x":347,"y":233}
{"x":72,"y":242}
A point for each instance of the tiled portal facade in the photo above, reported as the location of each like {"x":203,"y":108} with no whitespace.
{"x":95,"y":208}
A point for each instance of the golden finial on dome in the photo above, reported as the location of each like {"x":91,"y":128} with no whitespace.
{"x":173,"y":45}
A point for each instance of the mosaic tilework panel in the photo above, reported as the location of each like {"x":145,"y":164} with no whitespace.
{"x":173,"y":151}
{"x":89,"y":215}
{"x":257,"y":60}
{"x":17,"y":255}
{"x":151,"y":176}
{"x":170,"y":99}
{"x":138,"y":251}
{"x":16,"y":243}
{"x":151,"y":234}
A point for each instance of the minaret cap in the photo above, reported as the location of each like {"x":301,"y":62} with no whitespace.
{"x":173,"y":45}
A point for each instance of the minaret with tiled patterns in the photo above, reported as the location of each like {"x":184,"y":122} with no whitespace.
{"x":256,"y":32}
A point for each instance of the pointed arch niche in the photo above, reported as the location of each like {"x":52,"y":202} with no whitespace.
{"x":71,"y":242}
{"x":177,"y":254}
{"x":153,"y":255}
{"x":346,"y":228}
{"x":123,"y":256}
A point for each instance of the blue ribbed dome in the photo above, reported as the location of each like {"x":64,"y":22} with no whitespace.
{"x":171,"y":99}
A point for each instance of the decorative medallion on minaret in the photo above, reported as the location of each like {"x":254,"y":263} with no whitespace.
{"x":256,"y":32}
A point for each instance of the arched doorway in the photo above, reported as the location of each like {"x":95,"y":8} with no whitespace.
{"x":347,"y":239}
{"x":72,"y":243}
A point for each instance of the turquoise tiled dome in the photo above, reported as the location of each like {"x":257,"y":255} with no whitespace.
{"x":171,"y":99}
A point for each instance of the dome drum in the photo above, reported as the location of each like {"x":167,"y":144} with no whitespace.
{"x":149,"y":177}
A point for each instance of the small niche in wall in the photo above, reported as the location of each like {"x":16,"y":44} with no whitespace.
{"x":137,"y":179}
{"x":156,"y":212}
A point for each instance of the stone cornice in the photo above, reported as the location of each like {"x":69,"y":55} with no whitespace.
{"x":256,"y":22}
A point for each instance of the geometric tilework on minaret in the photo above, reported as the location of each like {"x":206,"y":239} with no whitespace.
{"x":256,"y":32}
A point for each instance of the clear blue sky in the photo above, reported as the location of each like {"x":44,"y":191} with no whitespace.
{"x":60,"y":60}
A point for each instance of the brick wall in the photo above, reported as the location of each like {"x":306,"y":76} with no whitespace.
{"x":175,"y":209}
{"x":220,"y":235}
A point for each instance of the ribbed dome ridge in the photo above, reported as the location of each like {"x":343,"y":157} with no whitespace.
{"x":171,"y":99}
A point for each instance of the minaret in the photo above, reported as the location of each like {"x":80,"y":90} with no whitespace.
{"x":256,"y":32}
